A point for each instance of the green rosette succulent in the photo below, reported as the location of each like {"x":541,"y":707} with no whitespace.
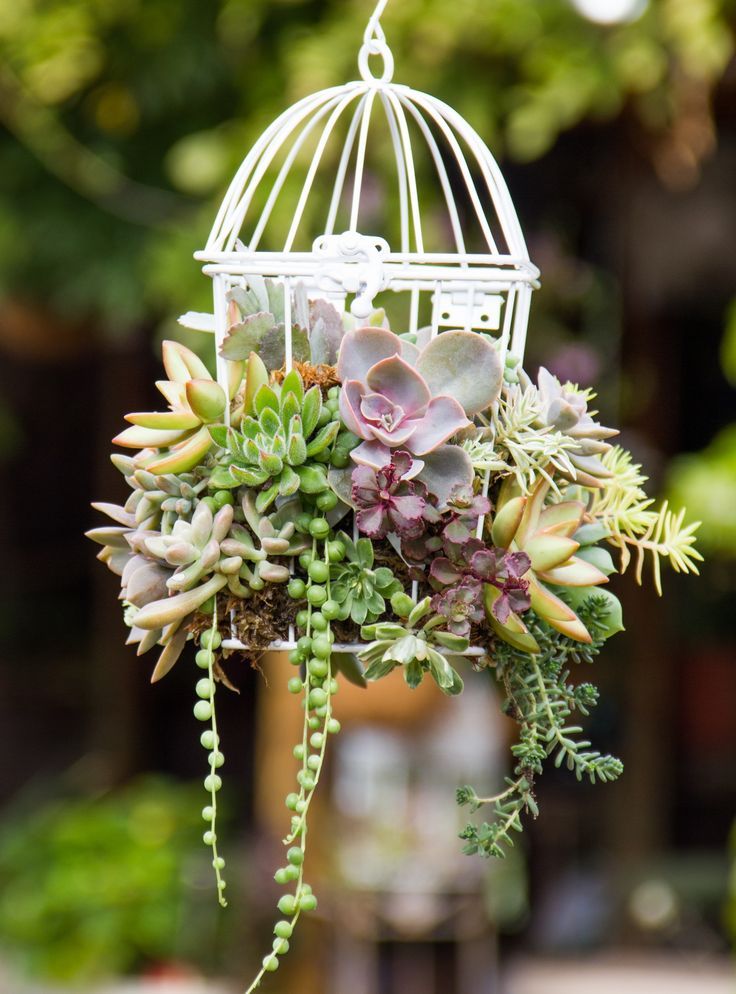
{"x":359,"y":589}
{"x":280,"y":439}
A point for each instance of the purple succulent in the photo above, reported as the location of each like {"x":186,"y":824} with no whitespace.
{"x":387,"y":500}
{"x":396,"y":396}
{"x":461,"y":606}
{"x":465,"y":503}
{"x":471,"y":564}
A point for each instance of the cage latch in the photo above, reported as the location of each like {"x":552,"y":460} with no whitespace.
{"x":353,"y":264}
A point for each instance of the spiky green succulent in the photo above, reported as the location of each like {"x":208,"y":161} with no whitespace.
{"x":274,"y":451}
{"x":358,"y":588}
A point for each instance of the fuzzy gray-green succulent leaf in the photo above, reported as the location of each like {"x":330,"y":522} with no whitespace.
{"x":265,"y":397}
{"x":269,"y":420}
{"x":311,"y":406}
{"x":312,"y":479}
{"x":290,"y":408}
{"x":324,"y":437}
{"x":296,"y":452}
{"x":247,"y":475}
{"x":292,"y":384}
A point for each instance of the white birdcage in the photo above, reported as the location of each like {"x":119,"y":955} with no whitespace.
{"x":467,"y":268}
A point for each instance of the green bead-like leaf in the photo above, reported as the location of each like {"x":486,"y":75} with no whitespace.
{"x":288,"y":482}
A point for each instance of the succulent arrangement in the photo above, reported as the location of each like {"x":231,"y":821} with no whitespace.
{"x":396,"y":501}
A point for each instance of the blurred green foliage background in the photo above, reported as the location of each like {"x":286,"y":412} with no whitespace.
{"x":129,"y":117}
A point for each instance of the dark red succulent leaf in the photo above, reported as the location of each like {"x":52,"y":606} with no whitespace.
{"x":444,"y":572}
{"x":517,"y":564}
{"x":464,"y":502}
{"x":461,"y":606}
{"x":387,"y":502}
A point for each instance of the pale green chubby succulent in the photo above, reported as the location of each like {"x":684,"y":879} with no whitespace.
{"x":421,"y":644}
{"x":278,"y":442}
{"x":156,"y":501}
{"x":167,"y":576}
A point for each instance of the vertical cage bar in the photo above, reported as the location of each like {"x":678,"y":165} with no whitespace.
{"x":436,"y":309}
{"x":414,"y":310}
{"x":521,"y":318}
{"x":219,"y":290}
{"x":508,"y":315}
{"x":288,"y":358}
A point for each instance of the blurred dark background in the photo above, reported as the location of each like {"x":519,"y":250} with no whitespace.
{"x":121,"y":123}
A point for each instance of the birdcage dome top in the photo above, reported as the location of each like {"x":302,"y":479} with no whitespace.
{"x":372,"y":168}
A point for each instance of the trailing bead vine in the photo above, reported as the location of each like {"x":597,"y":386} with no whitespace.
{"x":204,"y":710}
{"x":317,"y":686}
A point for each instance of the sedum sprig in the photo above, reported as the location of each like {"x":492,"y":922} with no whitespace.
{"x":543,"y":703}
{"x":636,"y":528}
